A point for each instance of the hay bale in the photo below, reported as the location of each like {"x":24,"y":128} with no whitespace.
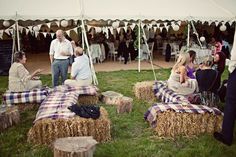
{"x":27,"y":106}
{"x":110,"y":97}
{"x":144,"y":90}
{"x":172,"y":124}
{"x":125,"y":104}
{"x":88,"y":100}
{"x":47,"y":130}
{"x":74,"y":147}
{"x":8,"y":116}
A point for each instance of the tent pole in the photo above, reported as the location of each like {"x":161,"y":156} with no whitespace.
{"x":139,"y":53}
{"x":82,"y":40}
{"x":17,"y":33}
{"x":13,"y":44}
{"x":188,"y":38}
{"x":95,"y":81}
{"x":149,"y":53}
{"x":195,"y":31}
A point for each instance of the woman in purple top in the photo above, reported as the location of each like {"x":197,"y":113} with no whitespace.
{"x":191,"y":66}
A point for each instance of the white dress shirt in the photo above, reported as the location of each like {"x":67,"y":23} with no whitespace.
{"x":57,"y":47}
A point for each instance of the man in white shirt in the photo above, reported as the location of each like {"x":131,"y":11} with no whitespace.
{"x":80,"y":70}
{"x":60,"y":51}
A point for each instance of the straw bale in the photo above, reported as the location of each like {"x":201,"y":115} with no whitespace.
{"x":47,"y":130}
{"x":144,"y":90}
{"x":88,"y":100}
{"x":8,"y":117}
{"x":125,"y":105}
{"x":172,"y":124}
{"x":27,"y":106}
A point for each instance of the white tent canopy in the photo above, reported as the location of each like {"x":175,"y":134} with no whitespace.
{"x":203,"y":10}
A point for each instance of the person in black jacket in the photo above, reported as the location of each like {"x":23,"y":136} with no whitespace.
{"x":207,"y":77}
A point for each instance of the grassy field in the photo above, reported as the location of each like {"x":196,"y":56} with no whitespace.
{"x":131,"y":135}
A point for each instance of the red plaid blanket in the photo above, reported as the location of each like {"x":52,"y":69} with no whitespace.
{"x":152,"y":113}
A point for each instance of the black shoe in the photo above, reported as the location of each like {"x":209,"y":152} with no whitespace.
{"x":218,"y":136}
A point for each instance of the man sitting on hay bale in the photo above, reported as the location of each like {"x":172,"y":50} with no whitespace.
{"x":80,"y":70}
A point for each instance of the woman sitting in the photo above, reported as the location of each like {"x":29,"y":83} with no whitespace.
{"x":20,"y":78}
{"x":80,"y":70}
{"x":191,"y":66}
{"x":178,"y":80}
{"x":207,"y":82}
{"x":206,"y":76}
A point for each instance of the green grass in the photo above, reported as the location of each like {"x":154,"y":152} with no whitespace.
{"x":131,"y":135}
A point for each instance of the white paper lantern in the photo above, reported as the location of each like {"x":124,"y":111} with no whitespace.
{"x":115,"y":24}
{"x":223,"y":28}
{"x":64,"y":23}
{"x":98,"y":29}
{"x":36,"y":28}
{"x":6,"y":23}
{"x":202,"y":39}
{"x":175,"y":27}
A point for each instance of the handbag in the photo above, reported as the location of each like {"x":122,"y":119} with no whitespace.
{"x":86,"y":111}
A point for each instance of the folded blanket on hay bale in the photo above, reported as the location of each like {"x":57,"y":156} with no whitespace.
{"x":144,"y":90}
{"x":166,"y":95}
{"x":151,"y":91}
{"x":87,"y":94}
{"x":25,"y":100}
{"x":170,"y":120}
{"x":30,"y":99}
{"x":45,"y":131}
{"x":54,"y":119}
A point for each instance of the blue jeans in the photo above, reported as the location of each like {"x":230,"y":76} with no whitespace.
{"x":59,"y":67}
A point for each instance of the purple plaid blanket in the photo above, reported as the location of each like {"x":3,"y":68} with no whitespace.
{"x":33,"y":96}
{"x":57,"y":102}
{"x":87,"y":90}
{"x":56,"y":105}
{"x":152,"y":113}
{"x":166,"y":95}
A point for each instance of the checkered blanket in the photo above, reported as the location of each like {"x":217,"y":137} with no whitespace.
{"x":87,"y":90}
{"x":57,"y":102}
{"x":166,"y":95}
{"x":152,"y":113}
{"x":56,"y":105}
{"x":33,"y":96}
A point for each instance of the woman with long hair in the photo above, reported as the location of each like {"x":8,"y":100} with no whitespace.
{"x":178,"y":80}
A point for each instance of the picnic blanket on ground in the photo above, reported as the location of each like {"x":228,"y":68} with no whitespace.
{"x":166,"y":95}
{"x":57,"y":102}
{"x":152,"y":113}
{"x":32,"y":96}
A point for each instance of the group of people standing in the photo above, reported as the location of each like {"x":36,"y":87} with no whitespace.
{"x":60,"y":52}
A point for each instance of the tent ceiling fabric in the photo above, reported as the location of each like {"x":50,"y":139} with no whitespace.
{"x":203,"y":10}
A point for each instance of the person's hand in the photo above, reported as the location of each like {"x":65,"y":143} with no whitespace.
{"x":73,"y":43}
{"x":65,"y":53}
{"x":36,"y":78}
{"x":38,"y":71}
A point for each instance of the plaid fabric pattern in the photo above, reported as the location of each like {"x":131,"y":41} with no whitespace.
{"x":151,"y":114}
{"x":56,"y":105}
{"x":86,"y":90}
{"x":33,"y":96}
{"x":166,"y":95}
{"x":57,"y":102}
